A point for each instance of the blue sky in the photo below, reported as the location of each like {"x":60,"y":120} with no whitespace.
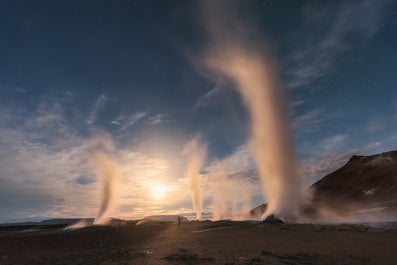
{"x":77,"y":74}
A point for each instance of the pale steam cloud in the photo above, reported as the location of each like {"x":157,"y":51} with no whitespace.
{"x":234,"y":51}
{"x":195,"y":152}
{"x":109,"y":171}
{"x":101,"y":152}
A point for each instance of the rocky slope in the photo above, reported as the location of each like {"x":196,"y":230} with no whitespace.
{"x":365,"y":187}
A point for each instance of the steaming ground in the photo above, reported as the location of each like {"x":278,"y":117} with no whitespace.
{"x":205,"y":242}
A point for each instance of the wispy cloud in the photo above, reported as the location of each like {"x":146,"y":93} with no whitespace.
{"x":99,"y":104}
{"x":118,"y":120}
{"x":123,"y":122}
{"x":133,"y":119}
{"x":332,"y":143}
{"x":204,"y":99}
{"x":331,"y":31}
{"x":307,"y":122}
{"x":34,"y":187}
{"x":240,"y":160}
{"x":47,"y":124}
{"x":46,"y":115}
{"x":211,"y":94}
{"x":157,"y":119}
{"x":65,"y":185}
{"x":317,"y":167}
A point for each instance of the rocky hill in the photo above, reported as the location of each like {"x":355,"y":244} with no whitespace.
{"x":365,"y":187}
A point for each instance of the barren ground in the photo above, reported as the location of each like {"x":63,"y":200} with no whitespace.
{"x":220,"y":242}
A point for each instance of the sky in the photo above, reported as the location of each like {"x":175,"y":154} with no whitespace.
{"x":126,"y":78}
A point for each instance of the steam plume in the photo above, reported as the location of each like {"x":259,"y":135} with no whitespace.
{"x":237,"y":52}
{"x":106,"y":168}
{"x":195,"y":151}
{"x":225,"y":203}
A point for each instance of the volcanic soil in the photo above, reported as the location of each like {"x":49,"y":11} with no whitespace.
{"x":222,"y":242}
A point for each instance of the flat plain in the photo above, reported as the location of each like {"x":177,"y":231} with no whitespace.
{"x":204,"y":242}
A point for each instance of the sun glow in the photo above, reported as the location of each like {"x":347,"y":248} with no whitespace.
{"x":159,"y":191}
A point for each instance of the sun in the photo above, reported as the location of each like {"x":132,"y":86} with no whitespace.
{"x":158,"y":191}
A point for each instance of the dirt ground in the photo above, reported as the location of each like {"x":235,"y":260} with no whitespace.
{"x":223,"y":242}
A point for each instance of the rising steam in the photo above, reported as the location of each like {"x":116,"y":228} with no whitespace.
{"x":237,"y":52}
{"x":107,"y":169}
{"x":195,"y":152}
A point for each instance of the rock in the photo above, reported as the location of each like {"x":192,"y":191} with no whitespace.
{"x":271,"y":219}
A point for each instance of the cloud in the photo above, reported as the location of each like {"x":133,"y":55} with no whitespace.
{"x":46,"y":115}
{"x":84,"y":180}
{"x":127,"y":123}
{"x":307,"y":122}
{"x":39,"y":179}
{"x":321,"y":165}
{"x":118,"y":120}
{"x":157,"y":119}
{"x":331,"y":31}
{"x":99,"y":104}
{"x":211,"y":94}
{"x":65,"y":185}
{"x":335,"y":142}
{"x":204,"y":99}
{"x":124,"y":123}
{"x":240,"y":160}
{"x":45,"y":125}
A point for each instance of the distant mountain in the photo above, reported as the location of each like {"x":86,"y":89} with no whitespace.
{"x":366,"y":186}
{"x":57,"y":221}
{"x":83,"y":222}
{"x":164,"y":218}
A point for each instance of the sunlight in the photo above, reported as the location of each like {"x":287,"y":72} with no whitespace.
{"x":159,"y":191}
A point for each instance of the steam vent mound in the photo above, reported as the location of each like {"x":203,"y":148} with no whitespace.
{"x":365,"y":186}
